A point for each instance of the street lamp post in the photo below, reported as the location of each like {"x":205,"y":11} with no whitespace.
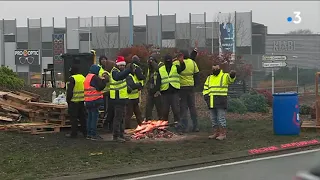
{"x":86,"y":30}
{"x":297,"y":80}
{"x":212,"y":34}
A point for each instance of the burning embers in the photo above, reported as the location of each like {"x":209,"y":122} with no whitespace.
{"x":153,"y":129}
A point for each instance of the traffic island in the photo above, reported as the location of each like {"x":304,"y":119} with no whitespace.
{"x":53,"y":155}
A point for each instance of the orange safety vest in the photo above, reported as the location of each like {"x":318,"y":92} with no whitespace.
{"x":90,"y":93}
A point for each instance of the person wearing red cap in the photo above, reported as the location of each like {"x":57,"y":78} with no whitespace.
{"x":119,"y":96}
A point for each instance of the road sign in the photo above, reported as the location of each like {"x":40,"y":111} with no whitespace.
{"x":273,"y":64}
{"x":274,"y":58}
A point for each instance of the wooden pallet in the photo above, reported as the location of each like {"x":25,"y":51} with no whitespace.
{"x":309,"y":124}
{"x":33,"y":128}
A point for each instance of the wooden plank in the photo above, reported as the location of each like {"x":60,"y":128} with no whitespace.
{"x":3,"y":118}
{"x":48,"y":105}
{"x":17,"y":98}
{"x":2,"y":93}
{"x":15,"y":105}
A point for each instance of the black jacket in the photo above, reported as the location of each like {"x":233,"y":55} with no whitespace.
{"x":153,"y":73}
{"x":171,"y":89}
{"x":139,"y":73}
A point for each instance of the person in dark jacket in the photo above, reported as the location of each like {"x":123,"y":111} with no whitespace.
{"x":93,"y":97}
{"x":168,"y":85}
{"x":134,"y":86}
{"x":75,"y":100}
{"x":153,"y":99}
{"x":119,"y":96}
{"x":138,"y":74}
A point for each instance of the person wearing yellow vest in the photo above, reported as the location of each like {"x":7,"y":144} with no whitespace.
{"x":189,"y":79}
{"x":75,"y":100}
{"x":134,"y":86}
{"x":153,"y":99}
{"x":119,"y":96}
{"x":169,"y":81}
{"x":215,"y":92}
{"x":138,"y":74}
{"x":105,"y":67}
{"x":93,"y":97}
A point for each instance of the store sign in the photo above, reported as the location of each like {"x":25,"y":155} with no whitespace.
{"x":283,"y":146}
{"x":283,"y":46}
{"x":27,"y":57}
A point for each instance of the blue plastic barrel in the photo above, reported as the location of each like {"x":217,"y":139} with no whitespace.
{"x":286,"y":114}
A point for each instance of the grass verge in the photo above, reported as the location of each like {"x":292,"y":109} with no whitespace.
{"x":25,"y":156}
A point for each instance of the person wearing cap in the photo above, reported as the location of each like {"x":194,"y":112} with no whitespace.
{"x":169,"y":80}
{"x":189,"y":79}
{"x":119,"y":96}
{"x":153,"y":99}
{"x":215,"y":92}
{"x":93,"y":97}
{"x":75,"y":100}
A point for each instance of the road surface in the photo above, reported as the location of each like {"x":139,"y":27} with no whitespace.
{"x":282,"y":167}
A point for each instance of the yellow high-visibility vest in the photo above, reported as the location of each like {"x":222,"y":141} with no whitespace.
{"x":172,"y":78}
{"x":101,"y":72}
{"x":186,"y":76}
{"x":120,"y":86}
{"x":135,"y":93}
{"x":217,"y":86}
{"x":78,"y":89}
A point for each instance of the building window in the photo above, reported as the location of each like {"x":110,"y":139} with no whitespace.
{"x":85,"y":36}
{"x":47,"y":45}
{"x":47,"y":53}
{"x":73,"y":51}
{"x":112,"y":29}
{"x":168,"y":35}
{"x":9,"y":38}
{"x":22,"y":45}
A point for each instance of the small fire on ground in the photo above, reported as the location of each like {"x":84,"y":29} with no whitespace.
{"x":152,"y":129}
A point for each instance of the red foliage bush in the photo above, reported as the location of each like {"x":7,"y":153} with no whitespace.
{"x":267,"y":94}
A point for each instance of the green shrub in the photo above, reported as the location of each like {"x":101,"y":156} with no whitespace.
{"x":9,"y":79}
{"x":235,"y":105}
{"x":305,"y":109}
{"x":255,"y":102}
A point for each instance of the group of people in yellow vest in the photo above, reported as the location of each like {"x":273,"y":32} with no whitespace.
{"x":169,"y":84}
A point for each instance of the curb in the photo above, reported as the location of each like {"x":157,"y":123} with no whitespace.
{"x":189,"y":162}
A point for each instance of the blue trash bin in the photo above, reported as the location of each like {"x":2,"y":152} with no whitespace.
{"x":286,"y":114}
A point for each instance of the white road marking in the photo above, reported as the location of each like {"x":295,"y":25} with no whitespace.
{"x":226,"y":164}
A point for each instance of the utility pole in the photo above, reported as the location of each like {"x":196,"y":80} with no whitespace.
{"x":131,"y":23}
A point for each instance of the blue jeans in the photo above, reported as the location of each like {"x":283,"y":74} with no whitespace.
{"x":218,"y":117}
{"x":93,"y":115}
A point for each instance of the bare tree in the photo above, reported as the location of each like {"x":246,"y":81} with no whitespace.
{"x":301,"y":31}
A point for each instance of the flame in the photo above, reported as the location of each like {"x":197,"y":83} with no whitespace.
{"x":154,"y":129}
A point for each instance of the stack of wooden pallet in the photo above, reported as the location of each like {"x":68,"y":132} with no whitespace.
{"x":44,"y":117}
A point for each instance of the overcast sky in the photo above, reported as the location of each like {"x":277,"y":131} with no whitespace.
{"x":271,"y":13}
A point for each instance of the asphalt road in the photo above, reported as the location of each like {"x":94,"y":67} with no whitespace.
{"x":278,"y":168}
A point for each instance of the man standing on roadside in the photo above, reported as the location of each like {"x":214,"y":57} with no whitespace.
{"x":215,"y":92}
{"x":153,"y":99}
{"x":119,"y":96}
{"x":75,"y":100}
{"x":93,"y":97}
{"x":189,"y":79}
{"x":169,"y":81}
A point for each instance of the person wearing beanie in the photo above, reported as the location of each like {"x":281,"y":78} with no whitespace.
{"x":153,"y":99}
{"x":93,"y":97}
{"x":189,"y":79}
{"x":169,"y":81}
{"x":215,"y":93}
{"x":75,"y":100}
{"x":119,"y":96}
